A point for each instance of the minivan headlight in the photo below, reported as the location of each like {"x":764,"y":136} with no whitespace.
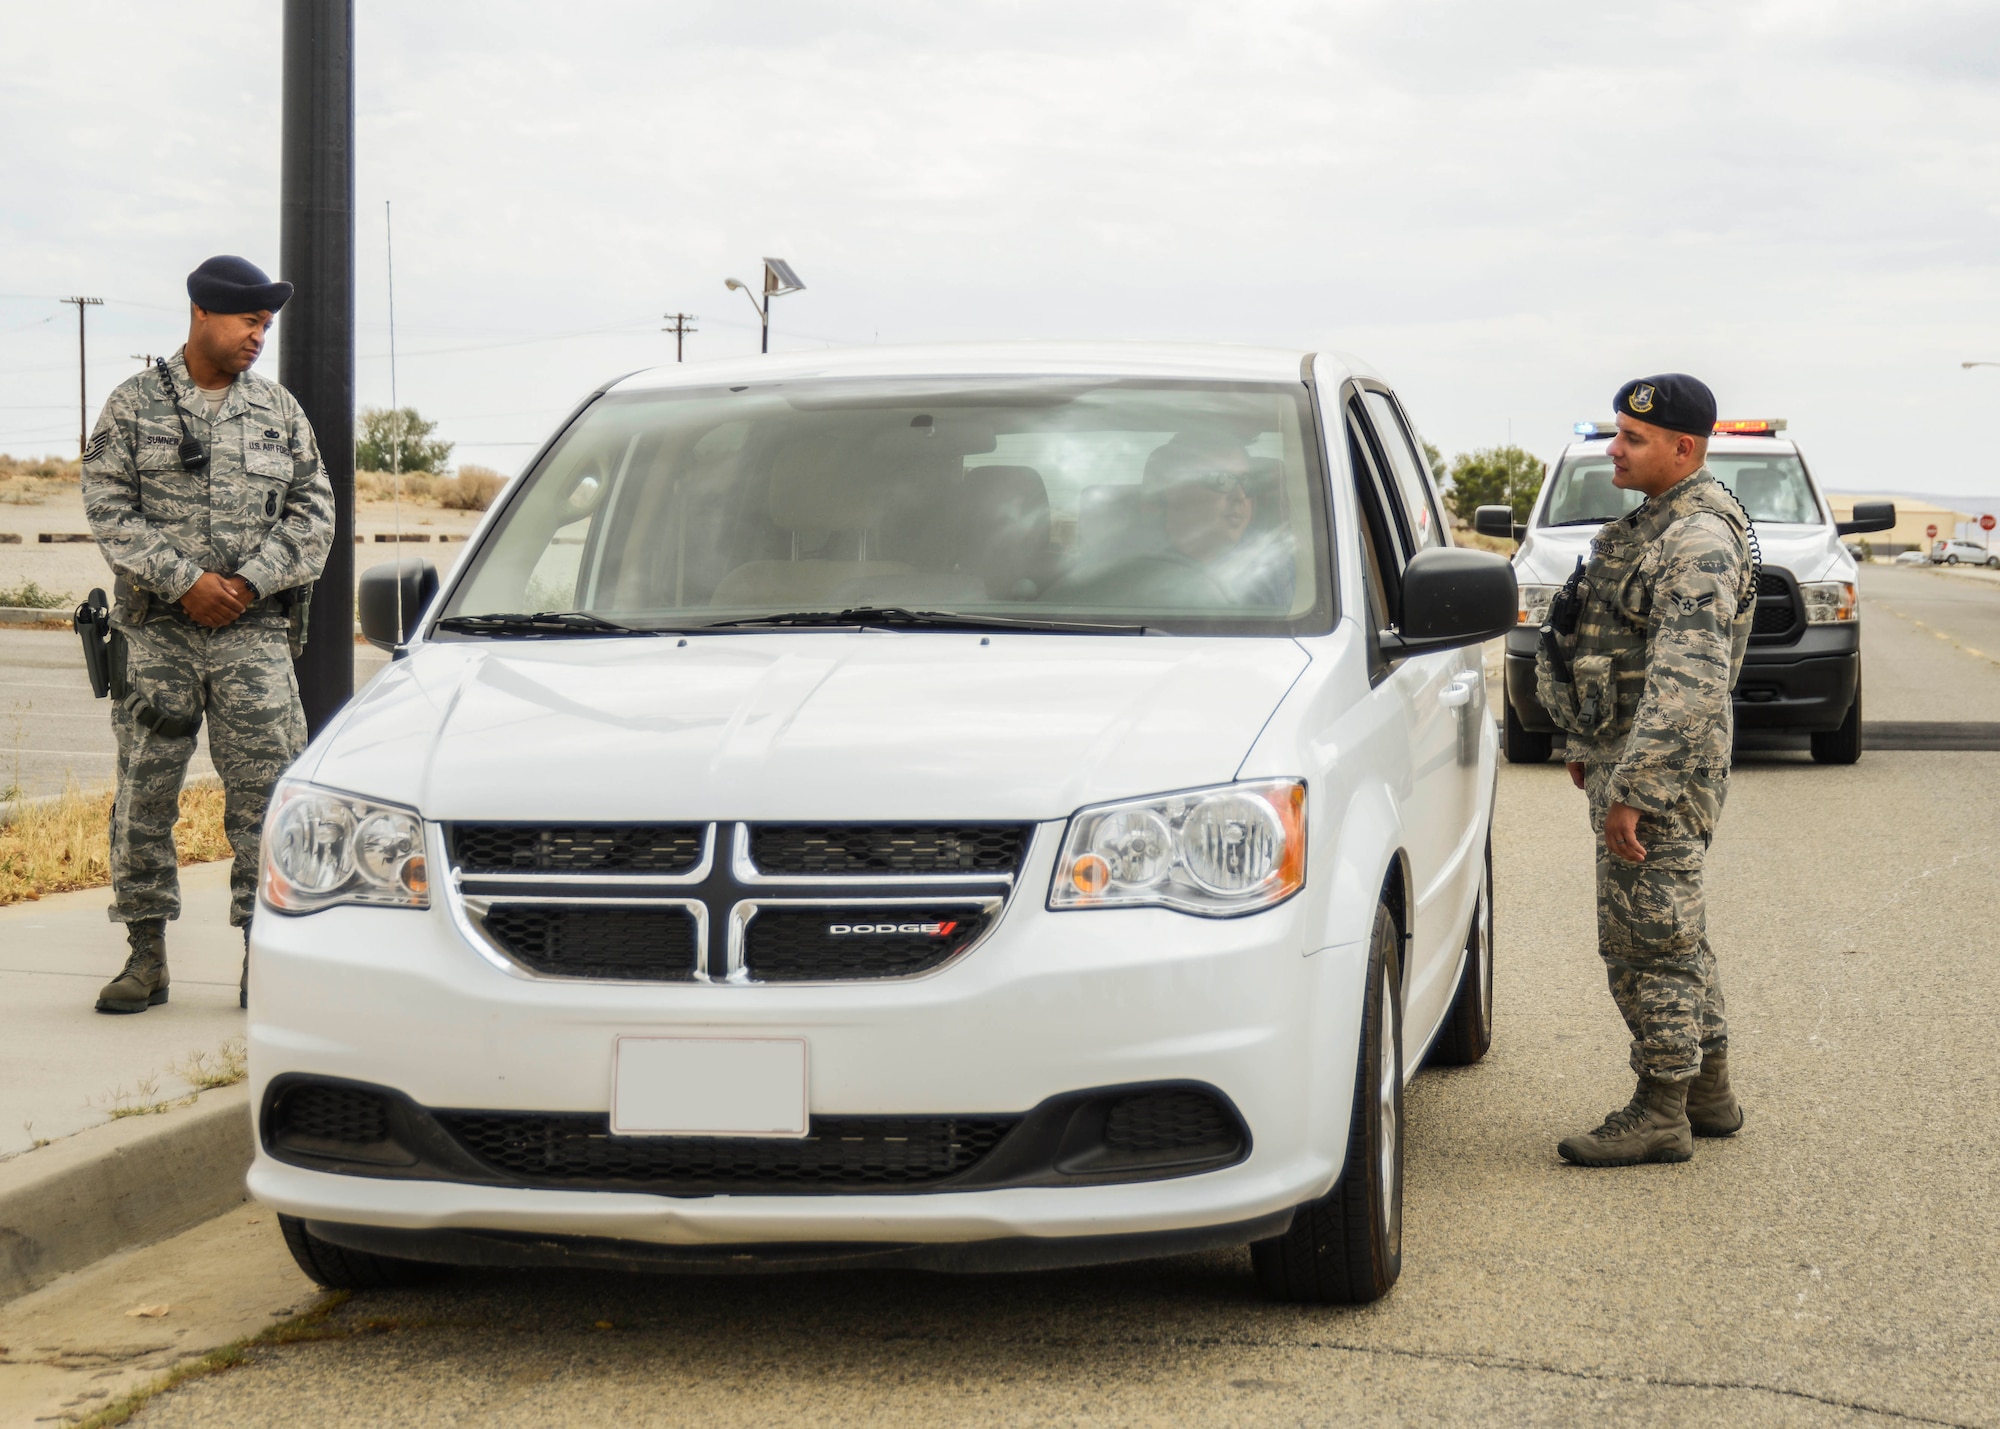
{"x":1232,"y":849}
{"x":1829,"y":602}
{"x":1535,"y":602}
{"x":322,"y":848}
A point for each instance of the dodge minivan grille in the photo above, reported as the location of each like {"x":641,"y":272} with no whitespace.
{"x":576,"y":848}
{"x":887,"y":848}
{"x":734,"y":903}
{"x":821,"y":944}
{"x":874,"y":1153}
{"x":565,"y":940}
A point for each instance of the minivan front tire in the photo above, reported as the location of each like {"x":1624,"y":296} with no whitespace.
{"x":1346,"y":1248}
{"x":338,"y":1268}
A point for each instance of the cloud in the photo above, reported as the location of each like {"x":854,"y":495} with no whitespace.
{"x":1507,"y":208}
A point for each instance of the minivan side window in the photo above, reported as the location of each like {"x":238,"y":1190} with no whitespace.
{"x":1383,"y":542}
{"x":1406,"y":464}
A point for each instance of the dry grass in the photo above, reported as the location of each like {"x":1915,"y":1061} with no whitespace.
{"x":64,"y":844}
{"x":27,"y":481}
{"x":473,"y":489}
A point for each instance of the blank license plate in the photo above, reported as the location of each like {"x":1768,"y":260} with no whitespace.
{"x":709,"y":1086}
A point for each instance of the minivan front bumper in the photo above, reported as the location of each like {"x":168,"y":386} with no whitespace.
{"x":1048,"y":1005}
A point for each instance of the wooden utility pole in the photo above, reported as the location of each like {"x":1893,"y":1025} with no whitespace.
{"x":683,"y":325}
{"x":82,"y":376}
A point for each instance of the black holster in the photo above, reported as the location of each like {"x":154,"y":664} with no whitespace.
{"x":92,"y":623}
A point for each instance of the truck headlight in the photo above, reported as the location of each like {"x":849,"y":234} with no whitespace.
{"x":1830,"y":602}
{"x":1535,"y":602}
{"x":322,"y":848}
{"x":1232,"y":849}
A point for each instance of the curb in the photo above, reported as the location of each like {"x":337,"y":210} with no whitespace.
{"x":34,"y":615}
{"x":125,"y":1184}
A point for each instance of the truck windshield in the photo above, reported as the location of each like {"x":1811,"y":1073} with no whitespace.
{"x":1774,"y":488}
{"x":1192,"y":507}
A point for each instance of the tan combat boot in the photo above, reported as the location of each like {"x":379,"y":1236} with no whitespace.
{"x":143,"y":984}
{"x":1653,"y":1126}
{"x":1711,"y":1106}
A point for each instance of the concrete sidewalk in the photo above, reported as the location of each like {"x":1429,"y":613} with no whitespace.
{"x":65,"y":1066}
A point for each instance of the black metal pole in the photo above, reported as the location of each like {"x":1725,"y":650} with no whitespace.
{"x":82,"y":388}
{"x":316,"y":347}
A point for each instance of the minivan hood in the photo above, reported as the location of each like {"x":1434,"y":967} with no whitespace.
{"x":1810,"y":553}
{"x":803,"y":726}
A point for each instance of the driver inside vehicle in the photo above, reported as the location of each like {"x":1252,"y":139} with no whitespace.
{"x":1202,"y":485}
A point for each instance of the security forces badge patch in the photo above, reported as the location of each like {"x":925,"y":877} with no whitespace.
{"x":1641,"y":400}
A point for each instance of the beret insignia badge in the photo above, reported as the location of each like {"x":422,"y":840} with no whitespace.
{"x":1641,"y":400}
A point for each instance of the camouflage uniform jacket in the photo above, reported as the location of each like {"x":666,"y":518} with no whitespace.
{"x":262,"y":508}
{"x":1667,"y":586}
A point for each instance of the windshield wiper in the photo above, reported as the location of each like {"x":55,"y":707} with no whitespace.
{"x":896,"y":617}
{"x":547,"y":622}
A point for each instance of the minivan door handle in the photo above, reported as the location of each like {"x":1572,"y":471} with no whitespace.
{"x":1459,"y":691}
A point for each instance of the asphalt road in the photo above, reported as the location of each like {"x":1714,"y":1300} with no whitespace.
{"x":1834,"y":1264}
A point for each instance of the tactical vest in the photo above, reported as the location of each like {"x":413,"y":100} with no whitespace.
{"x":1590,"y":670}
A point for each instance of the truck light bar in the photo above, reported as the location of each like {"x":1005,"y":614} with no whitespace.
{"x":1750,"y":427}
{"x":1756,"y":427}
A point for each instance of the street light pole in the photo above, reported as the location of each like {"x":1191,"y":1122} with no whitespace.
{"x":1979,"y":364}
{"x":82,"y":376}
{"x":779,"y":279}
{"x":316,"y":352}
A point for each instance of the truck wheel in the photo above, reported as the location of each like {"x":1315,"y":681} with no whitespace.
{"x":1522,"y":745}
{"x":338,"y":1268}
{"x":1346,"y":1248}
{"x":1468,"y":1030}
{"x":1843,"y":745}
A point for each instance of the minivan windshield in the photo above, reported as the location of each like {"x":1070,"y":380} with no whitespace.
{"x":1036,"y":503}
{"x":1772,"y":487}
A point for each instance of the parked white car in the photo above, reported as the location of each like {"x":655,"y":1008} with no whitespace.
{"x":960,"y":808}
{"x":1964,"y":553}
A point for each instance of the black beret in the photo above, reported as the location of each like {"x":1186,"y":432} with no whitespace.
{"x":235,"y":285}
{"x":1673,"y":400}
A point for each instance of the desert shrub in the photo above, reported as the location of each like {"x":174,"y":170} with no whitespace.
{"x":419,"y":487}
{"x":473,"y":489}
{"x":32,"y":596}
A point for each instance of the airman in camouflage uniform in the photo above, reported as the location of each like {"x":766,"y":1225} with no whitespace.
{"x":208,"y":562}
{"x":1664,"y":618}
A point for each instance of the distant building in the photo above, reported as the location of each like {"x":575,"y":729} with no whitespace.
{"x":1913,"y":515}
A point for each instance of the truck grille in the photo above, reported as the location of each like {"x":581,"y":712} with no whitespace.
{"x":1780,"y":613}
{"x":887,"y":848}
{"x":578,"y":1151}
{"x":827,"y":944}
{"x":576,"y":848}
{"x":567,"y":940}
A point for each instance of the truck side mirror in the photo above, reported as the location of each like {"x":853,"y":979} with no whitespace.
{"x":404,"y":587}
{"x":1497,"y":521}
{"x":1868,"y":516}
{"x":1452,"y":597}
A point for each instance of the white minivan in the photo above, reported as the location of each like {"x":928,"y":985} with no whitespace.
{"x":965,"y":808}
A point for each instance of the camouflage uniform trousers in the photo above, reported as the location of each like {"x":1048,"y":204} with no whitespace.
{"x":240,"y":678}
{"x":1652,"y":928}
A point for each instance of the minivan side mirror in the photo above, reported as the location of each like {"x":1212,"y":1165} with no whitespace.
{"x":1497,"y":521}
{"x":409,"y":582}
{"x":1451,"y":597}
{"x":1868,"y":516}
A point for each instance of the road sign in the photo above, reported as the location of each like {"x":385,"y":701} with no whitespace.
{"x":1930,"y":531}
{"x":1987,"y":523}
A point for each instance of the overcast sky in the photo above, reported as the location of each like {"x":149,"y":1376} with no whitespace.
{"x":1508,"y":208}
